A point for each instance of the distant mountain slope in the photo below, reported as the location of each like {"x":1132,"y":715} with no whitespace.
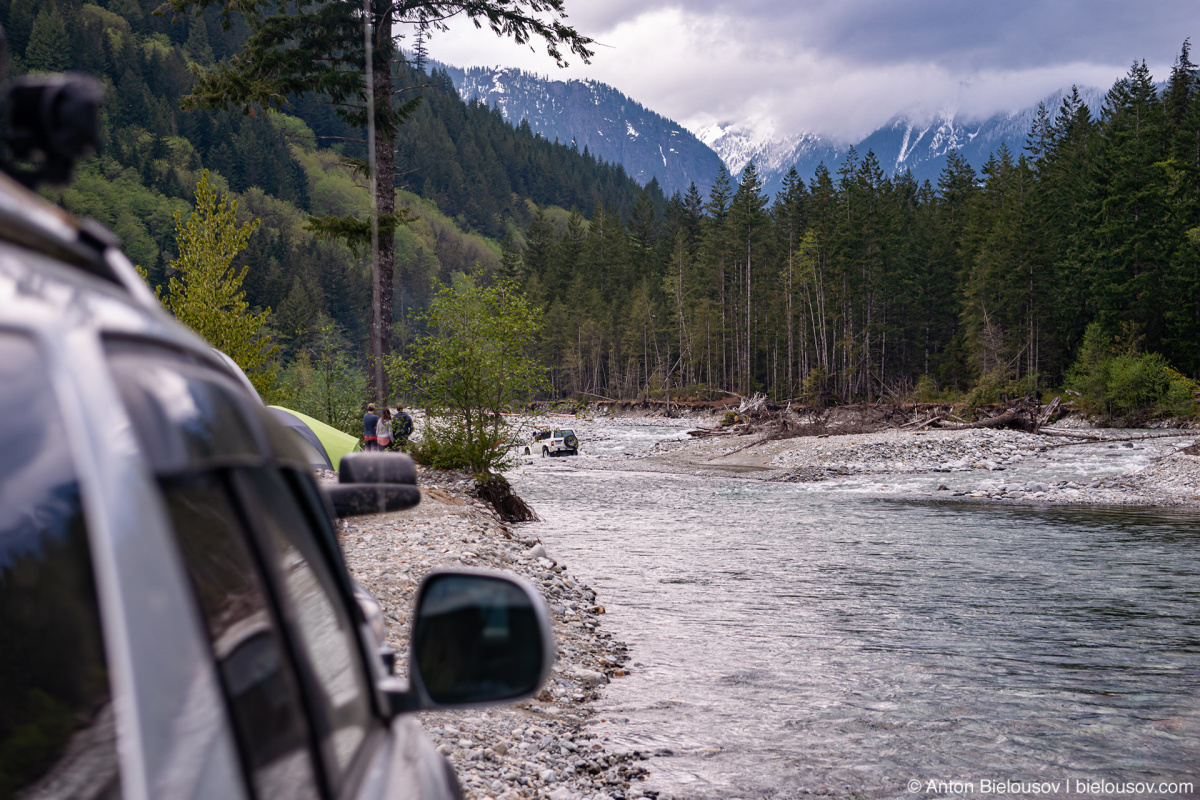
{"x":772,"y":157}
{"x":617,"y":129}
{"x":597,"y":117}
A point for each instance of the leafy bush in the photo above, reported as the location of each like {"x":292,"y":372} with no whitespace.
{"x":445,"y":444}
{"x":927,"y":390}
{"x":814,"y":388}
{"x":206,"y":294}
{"x":1128,"y":385}
{"x":473,"y":365}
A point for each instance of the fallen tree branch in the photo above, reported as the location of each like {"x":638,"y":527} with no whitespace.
{"x":921,"y":423}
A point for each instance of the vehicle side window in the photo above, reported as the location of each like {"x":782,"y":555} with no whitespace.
{"x":260,"y":686}
{"x":57,"y":731}
{"x":322,"y":622}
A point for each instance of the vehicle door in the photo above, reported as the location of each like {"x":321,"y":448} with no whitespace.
{"x":267,"y":576}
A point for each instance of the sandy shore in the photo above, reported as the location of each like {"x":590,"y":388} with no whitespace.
{"x":531,"y":749}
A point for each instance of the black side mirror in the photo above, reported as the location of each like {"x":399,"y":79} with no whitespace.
{"x":478,"y":639}
{"x":53,"y":121}
{"x":374,"y":483}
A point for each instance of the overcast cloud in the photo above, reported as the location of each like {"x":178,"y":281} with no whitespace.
{"x":842,"y":68}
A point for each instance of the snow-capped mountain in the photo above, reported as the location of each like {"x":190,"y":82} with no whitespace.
{"x":598,"y":117}
{"x":615,"y":128}
{"x":902,"y":144}
{"x":772,"y":156}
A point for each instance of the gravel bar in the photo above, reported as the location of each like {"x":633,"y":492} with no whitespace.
{"x":1170,"y":479}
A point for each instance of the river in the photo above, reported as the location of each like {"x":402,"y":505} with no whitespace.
{"x":795,"y":639}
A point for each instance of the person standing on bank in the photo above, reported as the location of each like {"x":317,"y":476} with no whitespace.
{"x":383,"y":431}
{"x":402,"y":429}
{"x":370,"y":435}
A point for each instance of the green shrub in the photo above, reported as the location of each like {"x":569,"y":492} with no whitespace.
{"x":813,"y":389}
{"x":927,"y":390}
{"x":989,"y":388}
{"x":1128,"y":385}
{"x":447,"y":445}
{"x":473,"y":365}
{"x":324,"y":383}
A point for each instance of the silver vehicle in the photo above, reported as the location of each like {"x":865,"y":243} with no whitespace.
{"x":176,"y":618}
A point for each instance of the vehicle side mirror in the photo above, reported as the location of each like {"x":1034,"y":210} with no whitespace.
{"x":374,"y":483}
{"x":478,"y":639}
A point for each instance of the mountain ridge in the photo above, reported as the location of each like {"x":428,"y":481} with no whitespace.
{"x":613,"y":127}
{"x":598,"y":118}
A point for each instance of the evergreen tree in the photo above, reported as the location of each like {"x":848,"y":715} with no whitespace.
{"x":319,"y":51}
{"x":47,"y":40}
{"x":1130,"y":245}
{"x":511,"y":266}
{"x":748,"y":233}
{"x":18,"y":24}
{"x":197,"y":47}
{"x":206,"y":292}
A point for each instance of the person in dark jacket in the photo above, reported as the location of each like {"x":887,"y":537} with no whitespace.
{"x":402,"y":428}
{"x":370,"y":421}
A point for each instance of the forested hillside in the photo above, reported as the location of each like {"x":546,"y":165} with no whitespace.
{"x":465,"y":173}
{"x":854,"y":285}
{"x":599,"y":119}
{"x":859,"y":286}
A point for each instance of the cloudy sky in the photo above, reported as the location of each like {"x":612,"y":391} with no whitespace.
{"x":842,"y":68}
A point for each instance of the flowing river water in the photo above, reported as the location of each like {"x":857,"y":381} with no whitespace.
{"x":831,"y":638}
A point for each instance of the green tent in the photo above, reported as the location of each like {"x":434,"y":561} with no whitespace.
{"x":325,"y":444}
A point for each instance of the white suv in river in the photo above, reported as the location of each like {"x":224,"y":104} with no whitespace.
{"x":555,"y":442}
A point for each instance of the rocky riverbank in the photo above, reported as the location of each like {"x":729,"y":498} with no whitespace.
{"x":534,"y":749}
{"x":977,"y":464}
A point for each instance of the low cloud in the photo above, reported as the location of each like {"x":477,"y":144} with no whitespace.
{"x":841,"y":68}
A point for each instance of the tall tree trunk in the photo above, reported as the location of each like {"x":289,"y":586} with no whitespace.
{"x":749,"y":373}
{"x":790,"y":272}
{"x":385,"y":203}
{"x":385,"y":197}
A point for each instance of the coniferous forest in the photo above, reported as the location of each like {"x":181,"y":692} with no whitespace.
{"x":853,"y":285}
{"x":860,"y":286}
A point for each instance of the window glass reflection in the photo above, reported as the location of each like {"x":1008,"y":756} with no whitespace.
{"x":57,"y":734}
{"x":258,"y":681}
{"x":323,"y":624}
